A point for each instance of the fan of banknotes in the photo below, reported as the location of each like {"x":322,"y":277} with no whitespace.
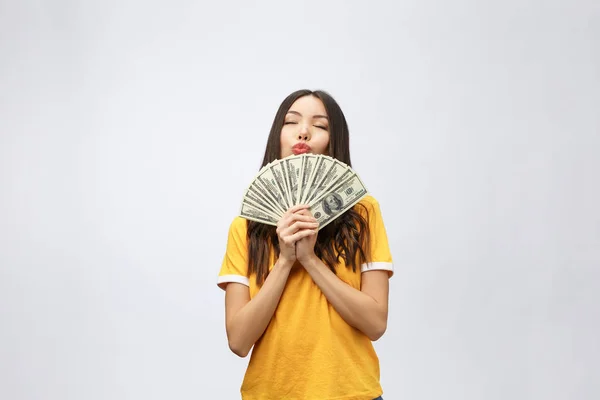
{"x":326,"y":184}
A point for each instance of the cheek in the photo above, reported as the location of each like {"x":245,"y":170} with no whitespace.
{"x":324,"y":143}
{"x":286,"y":136}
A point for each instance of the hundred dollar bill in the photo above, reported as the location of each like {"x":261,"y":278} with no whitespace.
{"x":337,"y":173}
{"x":324,"y":164}
{"x":307,"y":167}
{"x":300,"y":178}
{"x":307,"y":185}
{"x":286,"y":183}
{"x":333,"y":203}
{"x":259,"y":195}
{"x":254,"y":214}
{"x":257,"y":202}
{"x":265,"y":196}
{"x":266,"y":184}
{"x":292,"y":167}
{"x":279,"y":182}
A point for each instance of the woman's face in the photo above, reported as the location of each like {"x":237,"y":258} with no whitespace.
{"x":305,"y":128}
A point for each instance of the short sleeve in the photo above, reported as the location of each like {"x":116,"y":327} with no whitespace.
{"x":235,"y":261}
{"x":380,"y":257}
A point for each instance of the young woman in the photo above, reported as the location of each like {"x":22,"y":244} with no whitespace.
{"x":308,"y":302}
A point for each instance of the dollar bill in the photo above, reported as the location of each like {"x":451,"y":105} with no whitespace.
{"x":259,"y":195}
{"x":267,"y":185}
{"x":286,"y":183}
{"x":342,"y":197}
{"x":307,"y":185}
{"x":307,"y":168}
{"x":300,"y":178}
{"x":292,"y":167}
{"x":259,"y":203}
{"x":338,"y":172}
{"x":329,"y":186}
{"x":322,"y":166}
{"x":253,"y":214}
{"x":280,"y":183}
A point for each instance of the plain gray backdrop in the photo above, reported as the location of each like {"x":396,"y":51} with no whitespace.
{"x":129,"y":129}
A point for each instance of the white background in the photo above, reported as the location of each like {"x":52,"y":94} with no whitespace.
{"x":129,"y":129}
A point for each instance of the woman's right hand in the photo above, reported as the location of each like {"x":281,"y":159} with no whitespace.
{"x":292,"y":227}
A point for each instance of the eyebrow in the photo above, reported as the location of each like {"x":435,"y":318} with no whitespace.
{"x":314,"y":116}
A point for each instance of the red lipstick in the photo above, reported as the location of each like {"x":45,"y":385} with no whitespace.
{"x":301,"y":148}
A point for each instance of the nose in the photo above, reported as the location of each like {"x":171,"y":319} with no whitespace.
{"x":304,"y":134}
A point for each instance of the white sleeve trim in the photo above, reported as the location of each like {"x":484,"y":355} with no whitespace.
{"x":385,"y":266}
{"x":232,"y":278}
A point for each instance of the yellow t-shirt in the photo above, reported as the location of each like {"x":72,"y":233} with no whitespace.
{"x":308,"y":351}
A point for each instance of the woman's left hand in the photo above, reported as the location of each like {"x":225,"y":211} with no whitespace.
{"x":305,"y":247}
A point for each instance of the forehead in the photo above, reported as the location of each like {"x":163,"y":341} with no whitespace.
{"x":308,"y":106}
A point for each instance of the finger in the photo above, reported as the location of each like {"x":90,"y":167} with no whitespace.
{"x":304,"y":212}
{"x":285,"y":223}
{"x":290,"y":215}
{"x":301,"y":235}
{"x":298,"y":225}
{"x":289,"y":238}
{"x":296,"y":208}
{"x":291,"y":230}
{"x":302,"y":217}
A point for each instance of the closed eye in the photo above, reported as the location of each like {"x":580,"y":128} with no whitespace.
{"x":289,"y":122}
{"x":322,"y":127}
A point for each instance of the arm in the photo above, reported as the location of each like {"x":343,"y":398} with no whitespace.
{"x":246,"y":319}
{"x":365,"y":309}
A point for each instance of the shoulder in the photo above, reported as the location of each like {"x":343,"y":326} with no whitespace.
{"x":369,"y":200}
{"x":239,"y":223}
{"x":368,"y":205}
{"x":238,"y":227}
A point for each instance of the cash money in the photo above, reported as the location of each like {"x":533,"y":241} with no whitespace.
{"x":329,"y":186}
{"x":337,"y":200}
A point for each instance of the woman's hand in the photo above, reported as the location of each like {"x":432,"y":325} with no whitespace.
{"x":294,"y":225}
{"x":305,"y":247}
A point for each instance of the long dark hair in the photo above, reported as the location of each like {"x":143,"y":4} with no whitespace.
{"x":347,"y":237}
